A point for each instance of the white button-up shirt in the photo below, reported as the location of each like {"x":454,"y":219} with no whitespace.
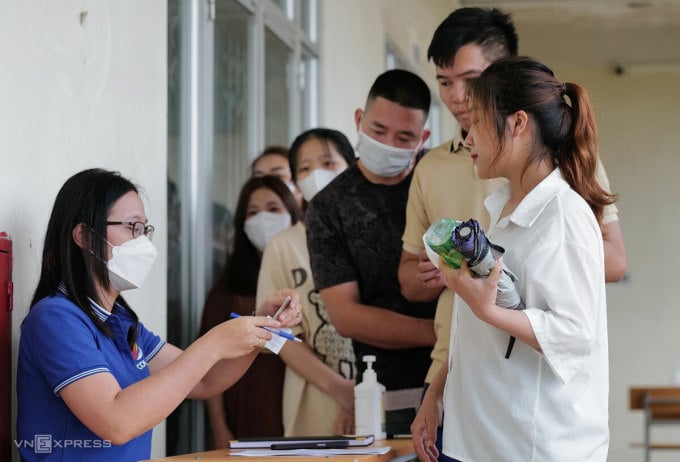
{"x":549,"y":406}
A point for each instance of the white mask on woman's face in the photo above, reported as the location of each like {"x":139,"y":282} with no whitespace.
{"x":316,"y":181}
{"x":261,"y":227}
{"x":131,"y":263}
{"x":382,"y":159}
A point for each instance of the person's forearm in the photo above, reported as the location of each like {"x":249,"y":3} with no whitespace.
{"x":221,"y":376}
{"x":411,"y":287}
{"x":215,"y":408}
{"x":302,"y":360}
{"x":384,"y":328}
{"x":615,"y":260}
{"x":122,"y":414}
{"x":147,"y":402}
{"x":373,"y":325}
{"x":119,"y":414}
{"x":435,"y":390}
{"x":514,"y":322}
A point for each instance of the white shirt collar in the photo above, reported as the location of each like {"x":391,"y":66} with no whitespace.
{"x":533,"y":203}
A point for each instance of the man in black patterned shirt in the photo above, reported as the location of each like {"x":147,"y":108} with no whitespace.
{"x":354,"y":229}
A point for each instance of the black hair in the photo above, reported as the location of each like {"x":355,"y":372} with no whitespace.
{"x":85,"y":199}
{"x":491,"y":29}
{"x":561,"y":112}
{"x":325,"y":136}
{"x":402,"y":87}
{"x":273,"y":150}
{"x":243,"y":261}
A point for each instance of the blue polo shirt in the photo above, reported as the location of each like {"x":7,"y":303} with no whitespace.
{"x":59,"y":345}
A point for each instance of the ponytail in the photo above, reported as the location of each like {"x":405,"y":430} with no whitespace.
{"x":579,"y":162}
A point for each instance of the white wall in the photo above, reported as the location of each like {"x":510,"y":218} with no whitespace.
{"x":639,"y":119}
{"x":79,"y":94}
{"x":353,"y":38}
{"x":346,"y":75}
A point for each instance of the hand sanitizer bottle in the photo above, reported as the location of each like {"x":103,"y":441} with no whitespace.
{"x":369,"y":408}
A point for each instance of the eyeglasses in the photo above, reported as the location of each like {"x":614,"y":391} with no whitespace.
{"x":138,"y":228}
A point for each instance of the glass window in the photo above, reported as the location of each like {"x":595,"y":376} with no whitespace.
{"x":248,"y":74}
{"x":279,"y":81}
{"x":176,"y":331}
{"x":286,"y":6}
{"x":310,"y":19}
{"x":232,"y":84}
{"x":308,"y":94}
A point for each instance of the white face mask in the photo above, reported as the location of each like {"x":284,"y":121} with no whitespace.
{"x":261,"y":227}
{"x":131,"y":263}
{"x":316,"y":181}
{"x":382,"y":159}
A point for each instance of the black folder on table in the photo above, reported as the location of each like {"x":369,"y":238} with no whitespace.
{"x":302,"y":442}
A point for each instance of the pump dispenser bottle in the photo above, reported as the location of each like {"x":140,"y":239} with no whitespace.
{"x":369,"y":408}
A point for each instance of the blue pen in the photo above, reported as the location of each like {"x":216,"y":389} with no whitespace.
{"x":280,"y":333}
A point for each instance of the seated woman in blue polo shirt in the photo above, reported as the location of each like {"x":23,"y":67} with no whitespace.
{"x":92,"y":381}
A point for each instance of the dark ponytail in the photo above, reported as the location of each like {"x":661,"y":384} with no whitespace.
{"x":561,"y":112}
{"x":580,"y":165}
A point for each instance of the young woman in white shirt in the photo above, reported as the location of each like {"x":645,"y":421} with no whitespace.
{"x":548,"y":400}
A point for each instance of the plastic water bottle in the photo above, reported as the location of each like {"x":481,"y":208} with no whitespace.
{"x":369,"y":407}
{"x":438,"y":238}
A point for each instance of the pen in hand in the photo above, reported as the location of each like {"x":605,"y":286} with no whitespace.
{"x":283,"y":306}
{"x":278,"y":332}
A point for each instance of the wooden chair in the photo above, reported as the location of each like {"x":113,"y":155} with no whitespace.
{"x":661,"y":406}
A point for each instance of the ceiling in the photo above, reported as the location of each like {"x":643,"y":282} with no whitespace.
{"x":623,"y":34}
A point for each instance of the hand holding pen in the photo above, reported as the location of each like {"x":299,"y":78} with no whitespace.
{"x":239,"y":337}
{"x":280,"y":333}
{"x":246,"y":335}
{"x":283,"y":306}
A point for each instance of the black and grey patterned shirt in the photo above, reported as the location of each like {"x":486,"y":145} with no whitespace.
{"x":354,"y":230}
